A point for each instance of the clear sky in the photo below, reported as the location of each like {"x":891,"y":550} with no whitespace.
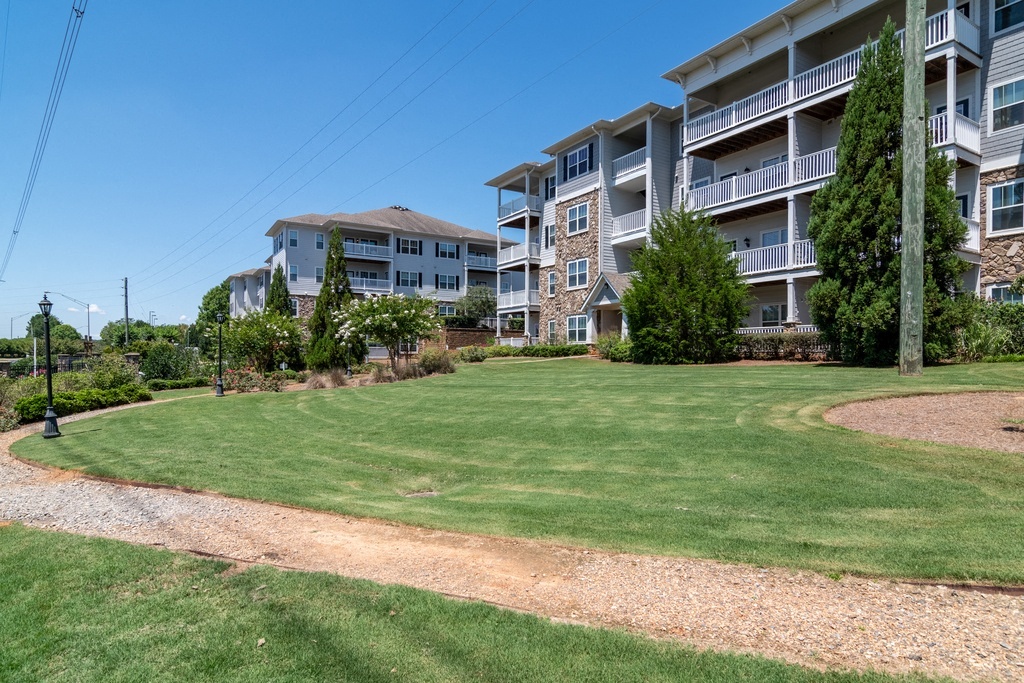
{"x":174,"y":112}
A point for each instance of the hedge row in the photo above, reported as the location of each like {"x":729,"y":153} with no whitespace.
{"x":537,"y":351}
{"x":187,"y":383}
{"x":33,"y":408}
{"x":785,"y":346}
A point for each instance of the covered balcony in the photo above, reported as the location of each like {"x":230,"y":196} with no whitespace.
{"x":480,"y":262}
{"x":365,"y":285}
{"x":630,"y":229}
{"x":519,"y":299}
{"x":956,"y":130}
{"x":778,"y":257}
{"x":629,"y":171}
{"x":367,"y":251}
{"x":518,"y":254}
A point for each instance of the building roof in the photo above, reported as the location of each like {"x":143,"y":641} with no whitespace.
{"x":251,"y":272}
{"x":618,"y":282}
{"x":633,"y":117}
{"x":391,"y":218}
{"x":517,"y":172}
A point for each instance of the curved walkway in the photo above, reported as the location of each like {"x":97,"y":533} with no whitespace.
{"x":799,"y":617}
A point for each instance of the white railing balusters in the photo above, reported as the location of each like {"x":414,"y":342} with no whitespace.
{"x":973,"y":240}
{"x":967,"y":132}
{"x":630,"y":162}
{"x":518,"y":252}
{"x":630,"y":222}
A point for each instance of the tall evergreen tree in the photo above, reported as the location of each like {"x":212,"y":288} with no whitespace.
{"x":687,"y":297}
{"x":325,"y":350}
{"x":856,"y":225}
{"x":277,"y":294}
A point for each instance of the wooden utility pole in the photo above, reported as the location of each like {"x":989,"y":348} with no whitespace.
{"x":914,"y":147}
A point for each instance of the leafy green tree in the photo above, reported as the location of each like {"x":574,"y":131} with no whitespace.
{"x":277,"y":294}
{"x":65,"y":338}
{"x":326,"y":350}
{"x":687,"y":297}
{"x":856,"y":225}
{"x":215,"y":301}
{"x":263,"y":338}
{"x":390,"y":320}
{"x":34,"y":327}
{"x":478,"y":303}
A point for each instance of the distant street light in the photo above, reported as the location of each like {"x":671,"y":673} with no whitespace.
{"x":50,"y":420}
{"x":220,"y":355}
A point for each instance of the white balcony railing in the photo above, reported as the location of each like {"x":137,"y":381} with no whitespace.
{"x":799,"y":254}
{"x":762,"y":180}
{"x":375,"y":250}
{"x":814,"y":166}
{"x":775,"y":329}
{"x":806,"y":168}
{"x":940,"y":28}
{"x":973,"y":240}
{"x":630,"y":162}
{"x":481,"y":261}
{"x":965,"y":132}
{"x":629,"y":223}
{"x":518,"y":252}
{"x":519,"y":299}
{"x":366,"y":284}
{"x":531,"y":202}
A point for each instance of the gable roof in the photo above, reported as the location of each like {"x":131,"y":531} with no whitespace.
{"x":617,"y":282}
{"x":392,"y":218}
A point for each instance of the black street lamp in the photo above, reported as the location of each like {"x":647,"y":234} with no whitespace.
{"x":220,"y":355}
{"x":50,"y":420}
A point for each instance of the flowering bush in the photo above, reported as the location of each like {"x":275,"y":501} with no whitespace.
{"x":262,"y":336}
{"x":390,"y":320}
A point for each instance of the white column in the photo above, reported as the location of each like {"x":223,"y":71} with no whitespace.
{"x":591,"y":327}
{"x":791,"y":312}
{"x":951,"y":95}
{"x":625,"y":325}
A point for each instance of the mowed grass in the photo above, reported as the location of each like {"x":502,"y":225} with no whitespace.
{"x":731,"y":463}
{"x":77,"y":609}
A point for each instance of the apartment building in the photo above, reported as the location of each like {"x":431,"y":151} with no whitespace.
{"x":753,"y":140}
{"x":390,"y":250}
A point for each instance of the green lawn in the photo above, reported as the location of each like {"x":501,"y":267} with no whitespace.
{"x":731,"y":463}
{"x":77,"y":609}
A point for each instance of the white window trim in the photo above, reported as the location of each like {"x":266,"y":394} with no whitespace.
{"x":319,"y":242}
{"x":570,"y":166}
{"x":552,"y":283}
{"x":992,"y":32}
{"x":293,"y":306}
{"x":293,"y":270}
{"x":991,"y":108}
{"x":577,"y":286}
{"x":446,"y":248}
{"x":703,"y":181}
{"x":766,"y":232}
{"x":290,"y":245}
{"x":318,"y":275}
{"x":586,"y":330}
{"x":778,"y":156}
{"x":552,"y":332}
{"x":576,"y":206}
{"x":989,"y":232}
{"x":443,"y":279}
{"x":970,"y":105}
{"x":783,"y":313}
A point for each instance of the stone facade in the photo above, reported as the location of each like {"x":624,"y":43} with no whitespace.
{"x":306,"y":304}
{"x":1002,"y":258}
{"x":568,"y":247}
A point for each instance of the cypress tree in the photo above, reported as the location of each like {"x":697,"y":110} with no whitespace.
{"x":277,"y":295}
{"x":325,"y":350}
{"x":856,"y":224}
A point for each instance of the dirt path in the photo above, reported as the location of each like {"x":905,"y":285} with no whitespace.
{"x":799,"y":617}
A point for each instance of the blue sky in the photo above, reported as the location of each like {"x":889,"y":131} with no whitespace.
{"x":173,"y":112}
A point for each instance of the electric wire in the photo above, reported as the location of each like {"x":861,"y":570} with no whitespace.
{"x":56,"y":89}
{"x":305,"y":144}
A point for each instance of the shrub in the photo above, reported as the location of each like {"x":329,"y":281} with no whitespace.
{"x":247,"y":381}
{"x":552,"y":350}
{"x":622,"y":352}
{"x":166,"y":361}
{"x":33,"y":408}
{"x":381,"y":374}
{"x":460,"y":320}
{"x":8,"y":420}
{"x":71,"y":381}
{"x":606,"y":342}
{"x":187,"y":383}
{"x":302,"y":377}
{"x":501,"y":351}
{"x":980,"y":339}
{"x":111,"y":371}
{"x":472,"y":354}
{"x":436,"y":362}
{"x":803,"y":346}
{"x":22,"y":367}
{"x":409,"y":371}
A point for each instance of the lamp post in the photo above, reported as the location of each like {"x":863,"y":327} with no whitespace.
{"x":50,"y":420}
{"x":220,"y":355}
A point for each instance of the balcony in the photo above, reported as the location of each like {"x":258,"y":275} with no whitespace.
{"x":629,"y":170}
{"x":804,"y":169}
{"x":973,"y":240}
{"x":531,"y":202}
{"x":630,"y":227}
{"x":965,"y":133}
{"x":519,"y":253}
{"x":374,"y":251}
{"x":775,"y":329}
{"x":799,"y":254}
{"x":366,"y":285}
{"x":486,"y":262}
{"x":946,"y":26}
{"x":520,"y":299}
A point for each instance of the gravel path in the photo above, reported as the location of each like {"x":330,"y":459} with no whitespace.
{"x":798,"y":617}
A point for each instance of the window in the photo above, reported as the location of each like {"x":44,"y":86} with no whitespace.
{"x":414,"y":247}
{"x":1008,"y":103}
{"x":775,"y":161}
{"x":407,"y":279}
{"x":577,"y":273}
{"x":551,"y":332}
{"x":1003,"y":293}
{"x":293,"y":304}
{"x":293,"y":273}
{"x":773,"y":315}
{"x":576,"y":328}
{"x":320,"y":241}
{"x":506,"y":287}
{"x":1008,"y":206}
{"x":446,"y":250}
{"x":732,"y":245}
{"x":549,"y":187}
{"x":1007,"y":14}
{"x":293,"y":238}
{"x":549,"y":236}
{"x":577,"y":216}
{"x":319,"y":274}
{"x":770,"y":238}
{"x":963,"y":204}
{"x":578,"y":162}
{"x":446,"y":309}
{"x":551,"y":283}
{"x":963,"y":107}
{"x":279,"y":242}
{"x":700,"y":182}
{"x":362,"y":274}
{"x":447,"y":281}
{"x":726,"y":176}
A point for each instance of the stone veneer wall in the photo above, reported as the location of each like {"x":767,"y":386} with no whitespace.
{"x":306,"y":304}
{"x":1002,"y":258}
{"x":569,"y":248}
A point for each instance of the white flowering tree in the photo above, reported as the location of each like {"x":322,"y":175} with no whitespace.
{"x":389,"y":320}
{"x":263,"y":337}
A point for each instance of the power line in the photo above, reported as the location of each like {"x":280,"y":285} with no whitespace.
{"x":56,"y":88}
{"x":344,"y":109}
